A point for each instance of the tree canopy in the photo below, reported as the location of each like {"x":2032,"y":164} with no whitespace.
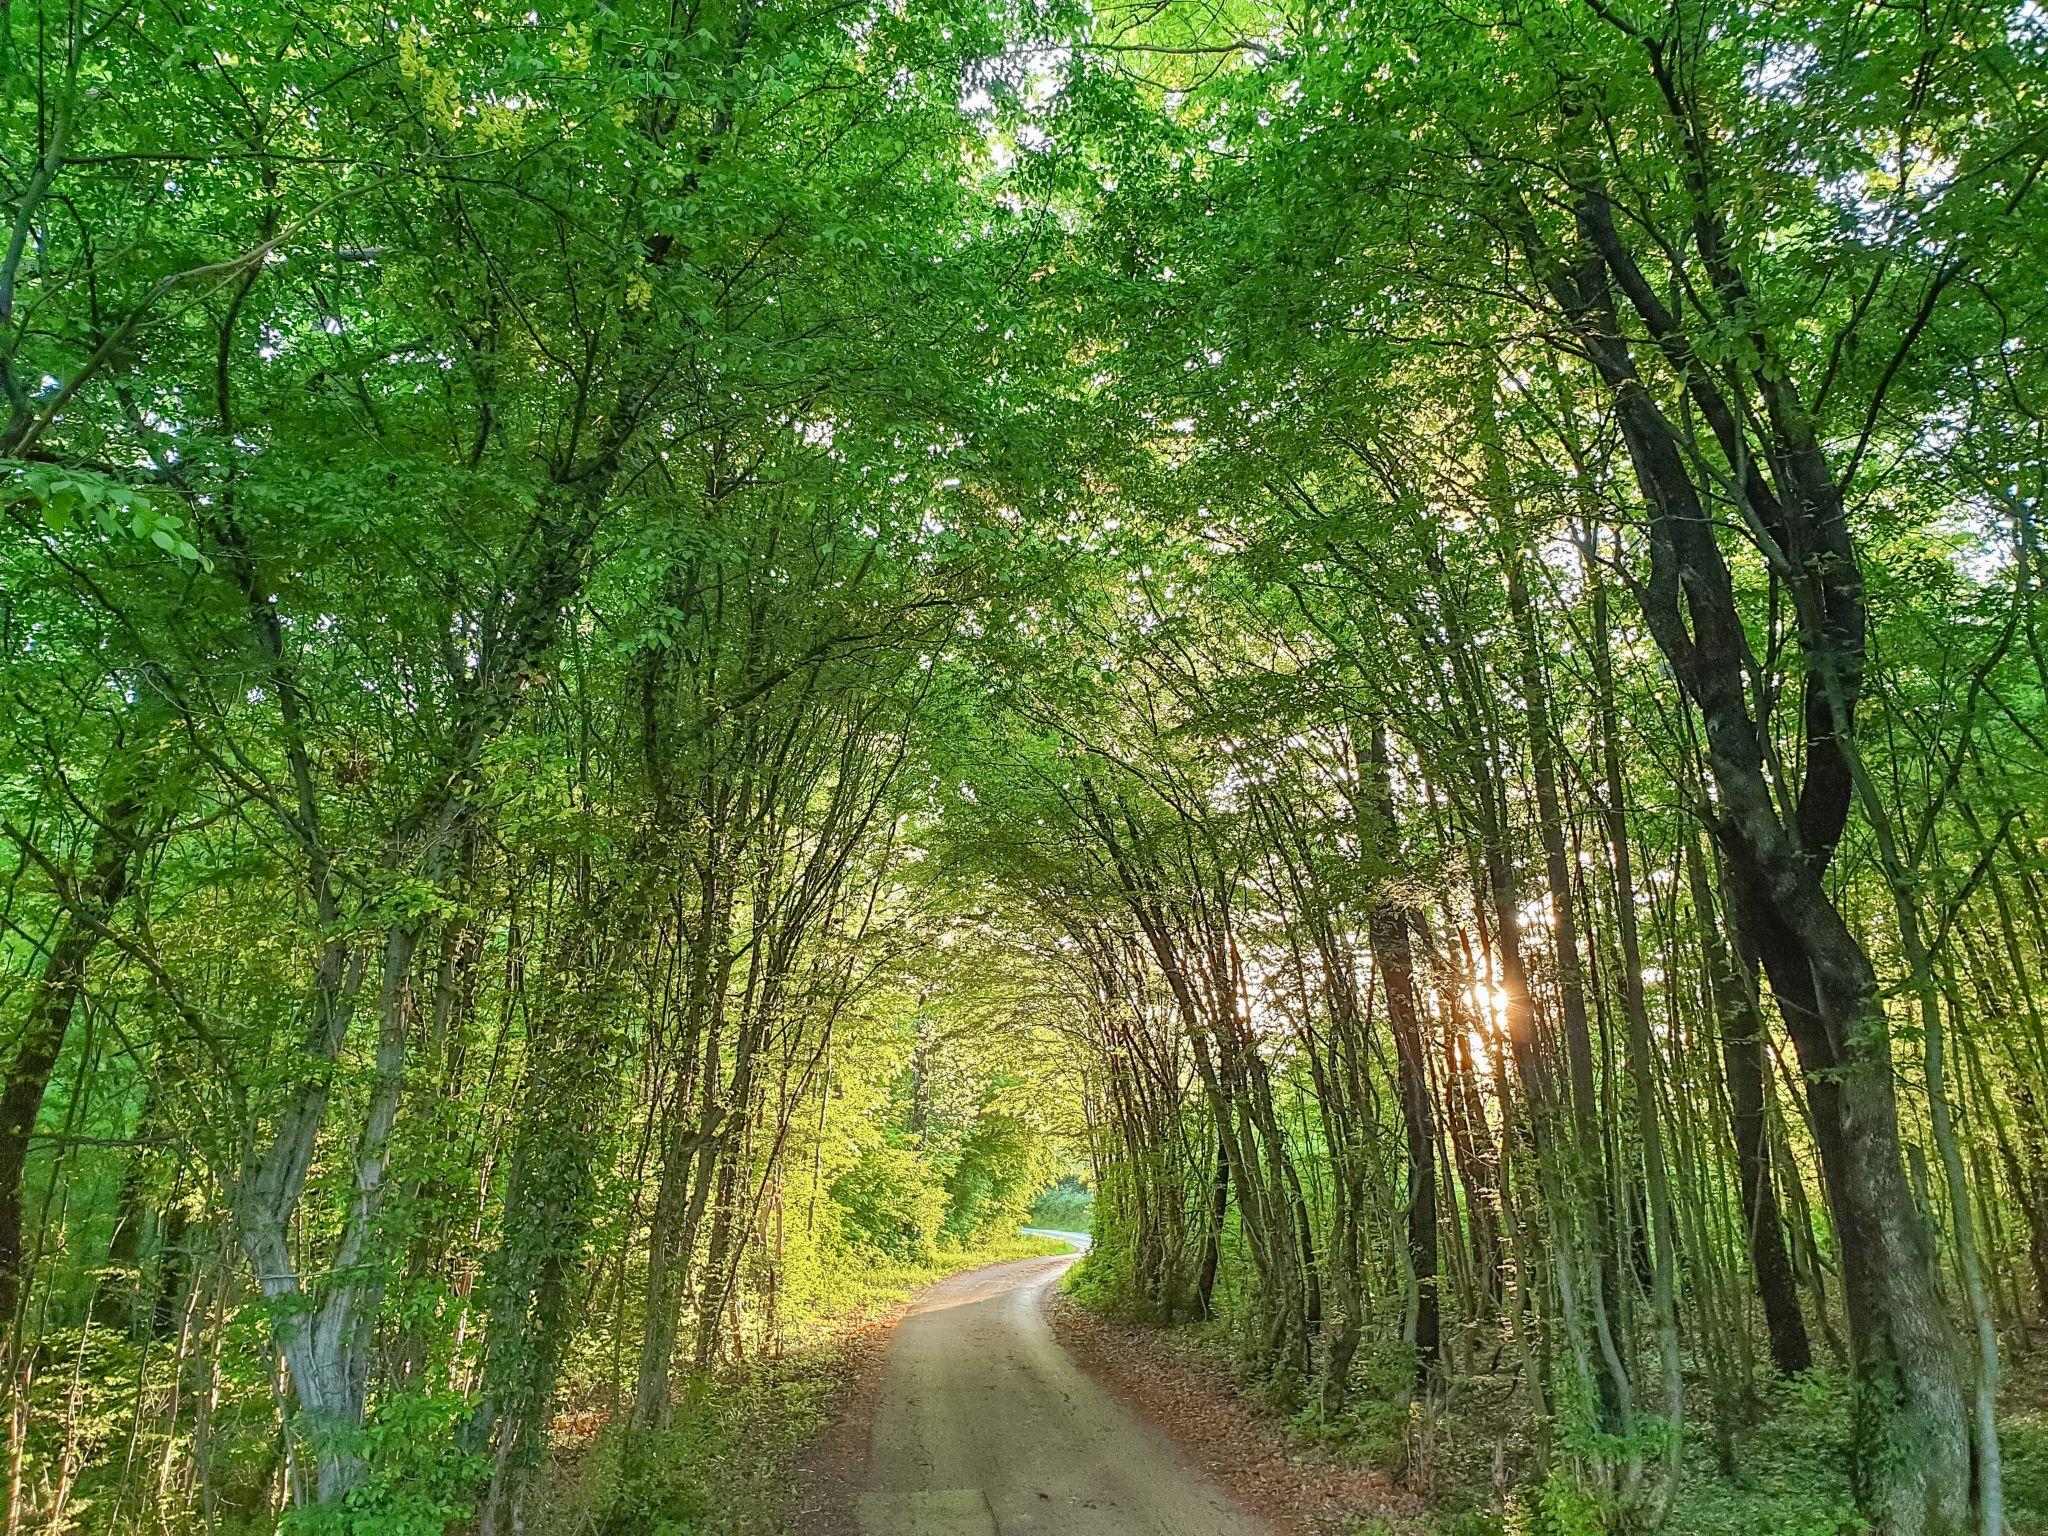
{"x":660,"y":659}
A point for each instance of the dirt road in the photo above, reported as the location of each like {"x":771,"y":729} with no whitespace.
{"x":987,"y":1428}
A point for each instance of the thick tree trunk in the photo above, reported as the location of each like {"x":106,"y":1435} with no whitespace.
{"x":721,"y":1258}
{"x":685,"y":1190}
{"x":1731,"y":989}
{"x":560,"y":1144}
{"x":322,"y":1325}
{"x":1912,"y":1444}
{"x":694,"y":1122}
{"x":53,"y":1001}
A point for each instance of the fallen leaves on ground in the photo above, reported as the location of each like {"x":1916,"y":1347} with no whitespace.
{"x":1298,"y":1489}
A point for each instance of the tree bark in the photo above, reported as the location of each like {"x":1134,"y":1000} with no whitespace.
{"x":53,"y":1002}
{"x":1393,"y":953}
{"x":1731,"y":988}
{"x":1912,"y":1461}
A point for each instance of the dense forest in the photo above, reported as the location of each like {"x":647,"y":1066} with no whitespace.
{"x":658,"y":658}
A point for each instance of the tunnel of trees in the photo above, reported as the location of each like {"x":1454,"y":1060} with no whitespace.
{"x":658,"y":656}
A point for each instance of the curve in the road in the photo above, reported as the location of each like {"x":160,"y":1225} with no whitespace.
{"x":986,"y":1427}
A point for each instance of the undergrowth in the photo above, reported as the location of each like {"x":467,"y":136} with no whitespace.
{"x":725,"y":1464}
{"x":1790,"y":1476}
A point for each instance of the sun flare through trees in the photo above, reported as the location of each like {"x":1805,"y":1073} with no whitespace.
{"x":663,"y":660}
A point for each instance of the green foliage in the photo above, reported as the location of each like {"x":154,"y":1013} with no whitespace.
{"x":420,"y":1481}
{"x":894,"y":1204}
{"x":1792,"y":1476}
{"x":65,"y":497}
{"x":2023,"y":1438}
{"x":1561,"y":1506}
{"x":656,"y":660}
{"x":721,"y":1467}
{"x":1377,"y":1421}
{"x":1106,"y":1278}
{"x":1069,"y":1206}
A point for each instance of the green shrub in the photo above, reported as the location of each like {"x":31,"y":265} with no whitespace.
{"x":2023,"y":1447}
{"x":1069,"y":1206}
{"x":890,"y":1202}
{"x":419,"y":1482}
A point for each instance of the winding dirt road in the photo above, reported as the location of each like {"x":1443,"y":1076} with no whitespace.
{"x":985,"y":1427}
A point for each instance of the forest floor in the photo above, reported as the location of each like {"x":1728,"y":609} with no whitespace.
{"x":1373,"y":1474}
{"x":835,"y":1460}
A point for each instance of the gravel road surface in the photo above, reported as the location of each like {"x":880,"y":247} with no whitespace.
{"x":986,"y":1427}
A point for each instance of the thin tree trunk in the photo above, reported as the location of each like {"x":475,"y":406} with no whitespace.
{"x":1387,"y":933}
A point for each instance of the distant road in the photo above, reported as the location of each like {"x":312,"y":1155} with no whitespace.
{"x":1080,"y":1240}
{"x":987,"y":1427}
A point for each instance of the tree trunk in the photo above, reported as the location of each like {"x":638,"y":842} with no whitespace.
{"x":1731,"y":988}
{"x":1911,"y":1454}
{"x":1387,"y":934}
{"x":1591,"y":1208}
{"x":52,"y":1003}
{"x":1212,"y":1231}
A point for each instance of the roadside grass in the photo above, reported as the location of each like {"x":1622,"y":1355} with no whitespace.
{"x":1791,"y":1480}
{"x":726,"y":1463}
{"x":722,"y":1467}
